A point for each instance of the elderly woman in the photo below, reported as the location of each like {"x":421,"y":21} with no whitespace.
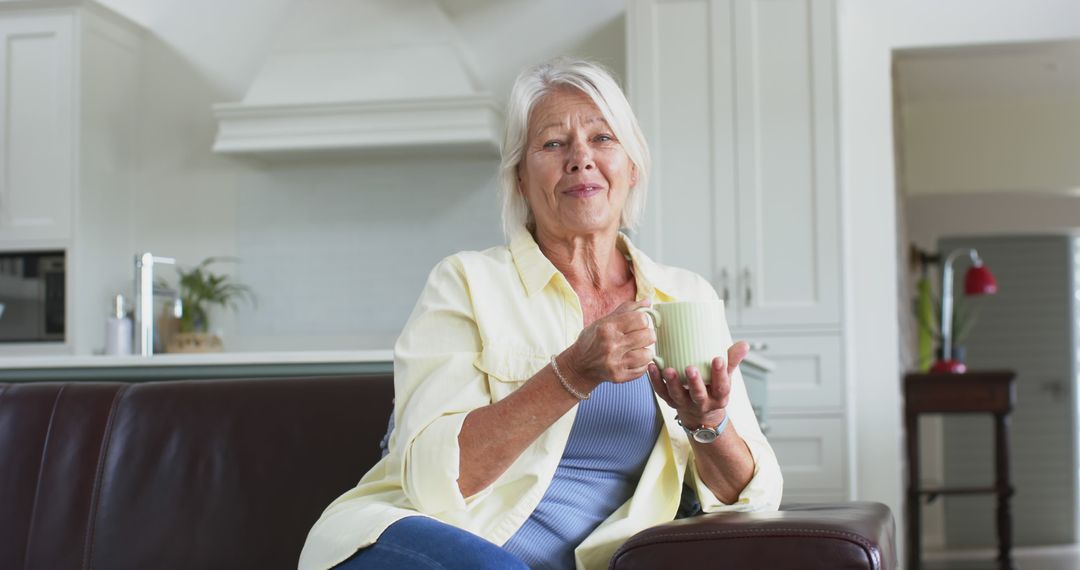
{"x":532,"y":427}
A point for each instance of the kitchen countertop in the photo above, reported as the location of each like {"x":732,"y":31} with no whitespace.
{"x":200,"y":359}
{"x":195,"y":366}
{"x":219,"y":365}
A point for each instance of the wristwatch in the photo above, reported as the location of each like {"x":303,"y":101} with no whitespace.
{"x":705,"y":434}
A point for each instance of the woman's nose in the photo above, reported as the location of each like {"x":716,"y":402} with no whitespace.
{"x":580,"y":159}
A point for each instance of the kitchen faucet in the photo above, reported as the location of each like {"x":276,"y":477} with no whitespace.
{"x":144,"y":300}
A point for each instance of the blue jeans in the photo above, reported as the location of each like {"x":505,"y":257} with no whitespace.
{"x":422,"y":542}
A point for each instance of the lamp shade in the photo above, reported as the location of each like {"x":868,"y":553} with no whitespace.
{"x":979,"y":281}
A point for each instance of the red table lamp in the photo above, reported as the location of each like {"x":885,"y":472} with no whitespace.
{"x":978,"y":281}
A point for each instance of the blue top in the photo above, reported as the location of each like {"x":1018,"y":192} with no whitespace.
{"x":611,"y":439}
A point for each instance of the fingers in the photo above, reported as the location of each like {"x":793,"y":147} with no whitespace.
{"x":613,"y":348}
{"x":631,"y":349}
{"x":659,"y":386}
{"x":720,"y":387}
{"x":640,"y":338}
{"x":632,"y":321}
{"x":635,"y":363}
{"x":735,"y":354}
{"x":695,"y":386}
{"x":678,"y":395}
{"x":631,"y":306}
{"x":620,"y":324}
{"x":693,"y":401}
{"x":721,"y":384}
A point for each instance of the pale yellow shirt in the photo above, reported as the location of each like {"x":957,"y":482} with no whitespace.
{"x":484,"y":324}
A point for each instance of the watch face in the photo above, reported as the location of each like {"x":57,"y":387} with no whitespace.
{"x":705,"y":435}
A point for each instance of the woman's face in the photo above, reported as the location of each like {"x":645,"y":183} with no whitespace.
{"x":574,"y":174}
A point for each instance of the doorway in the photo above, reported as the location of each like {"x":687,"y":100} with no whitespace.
{"x":1027,"y":327}
{"x":986,"y":140}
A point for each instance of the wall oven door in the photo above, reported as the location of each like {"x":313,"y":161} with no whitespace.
{"x":32,"y":297}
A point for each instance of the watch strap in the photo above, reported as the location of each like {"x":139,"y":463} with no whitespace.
{"x":719,"y":429}
{"x":723,"y":424}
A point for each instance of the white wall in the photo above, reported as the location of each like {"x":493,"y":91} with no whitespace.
{"x":223,"y":42}
{"x":869,"y":31}
{"x":336,"y":250}
{"x":931,"y":217}
{"x":991,"y":143}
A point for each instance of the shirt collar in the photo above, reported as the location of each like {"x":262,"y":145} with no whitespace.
{"x":536,"y":270}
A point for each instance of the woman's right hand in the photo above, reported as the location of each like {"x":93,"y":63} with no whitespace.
{"x":615,"y":348}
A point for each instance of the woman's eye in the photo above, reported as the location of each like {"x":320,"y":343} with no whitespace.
{"x":604,"y":138}
{"x":552,"y":144}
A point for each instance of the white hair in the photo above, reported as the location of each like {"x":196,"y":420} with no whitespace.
{"x":598,"y":84}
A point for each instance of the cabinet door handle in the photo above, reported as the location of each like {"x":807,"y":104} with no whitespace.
{"x":725,"y":293}
{"x":747,"y":283}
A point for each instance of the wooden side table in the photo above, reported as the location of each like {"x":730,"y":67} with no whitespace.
{"x":991,"y":392}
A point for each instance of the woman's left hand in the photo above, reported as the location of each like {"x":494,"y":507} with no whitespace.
{"x":698,"y":403}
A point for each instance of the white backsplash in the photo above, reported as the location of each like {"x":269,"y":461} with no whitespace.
{"x":337,"y":252}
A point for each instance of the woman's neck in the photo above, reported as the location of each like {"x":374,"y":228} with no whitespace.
{"x":589,"y":261}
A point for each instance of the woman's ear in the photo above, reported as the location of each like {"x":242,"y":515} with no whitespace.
{"x":633,"y":175}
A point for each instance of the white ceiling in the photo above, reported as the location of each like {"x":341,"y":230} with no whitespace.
{"x":1043,"y":69}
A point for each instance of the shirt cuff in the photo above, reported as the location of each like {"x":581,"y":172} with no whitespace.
{"x":762,"y":493}
{"x":432,"y":466}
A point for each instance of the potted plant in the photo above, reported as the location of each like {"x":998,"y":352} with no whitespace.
{"x":200,"y":290}
{"x":928,"y":315}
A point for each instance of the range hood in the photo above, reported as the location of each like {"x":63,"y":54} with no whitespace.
{"x":348,"y":77}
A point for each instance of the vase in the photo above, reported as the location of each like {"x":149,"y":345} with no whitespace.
{"x":956,"y":363}
{"x":194,"y":342}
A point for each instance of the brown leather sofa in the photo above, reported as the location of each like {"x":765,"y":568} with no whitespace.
{"x":232,"y":473}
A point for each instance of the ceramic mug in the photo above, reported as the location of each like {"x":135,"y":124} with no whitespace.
{"x":689,"y":333}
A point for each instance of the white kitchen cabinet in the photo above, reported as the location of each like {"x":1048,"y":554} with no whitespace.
{"x":737,"y":99}
{"x":37,"y":108}
{"x":68,"y":99}
{"x":813,"y":464}
{"x":807,"y":412}
{"x":808,"y":374}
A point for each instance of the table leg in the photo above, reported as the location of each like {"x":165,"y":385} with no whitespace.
{"x":1004,"y":491}
{"x":914,"y":533}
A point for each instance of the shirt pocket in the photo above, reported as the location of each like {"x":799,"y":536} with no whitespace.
{"x":508,"y":369}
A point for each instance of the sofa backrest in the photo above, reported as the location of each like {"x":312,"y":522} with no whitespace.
{"x":187,"y":474}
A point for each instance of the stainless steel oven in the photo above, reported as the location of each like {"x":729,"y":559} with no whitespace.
{"x":32,"y":299}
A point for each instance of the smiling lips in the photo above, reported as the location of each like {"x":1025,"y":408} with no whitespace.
{"x":583,"y":190}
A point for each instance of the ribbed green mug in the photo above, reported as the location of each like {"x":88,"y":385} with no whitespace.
{"x":689,"y":333}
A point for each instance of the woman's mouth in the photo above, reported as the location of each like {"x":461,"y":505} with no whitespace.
{"x":583,"y":190}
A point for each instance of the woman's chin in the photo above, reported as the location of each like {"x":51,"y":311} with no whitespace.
{"x":591,"y":227}
{"x":588,"y":219}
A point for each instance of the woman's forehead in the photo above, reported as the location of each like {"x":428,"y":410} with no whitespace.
{"x":563,"y":107}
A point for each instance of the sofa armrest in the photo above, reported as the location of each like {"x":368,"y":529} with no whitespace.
{"x":857,"y":535}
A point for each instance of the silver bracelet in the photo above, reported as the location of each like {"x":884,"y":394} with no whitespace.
{"x":562,"y":380}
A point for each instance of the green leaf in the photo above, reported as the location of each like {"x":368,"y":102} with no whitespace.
{"x":200,"y":289}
